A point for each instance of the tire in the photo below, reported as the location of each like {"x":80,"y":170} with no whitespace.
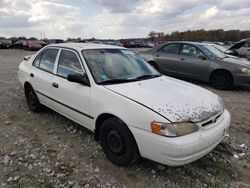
{"x":118,"y":143}
{"x":222,"y":80}
{"x":153,"y":64}
{"x":32,"y":99}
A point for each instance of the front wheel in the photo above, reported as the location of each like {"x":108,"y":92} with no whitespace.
{"x":222,"y":80}
{"x":118,"y":143}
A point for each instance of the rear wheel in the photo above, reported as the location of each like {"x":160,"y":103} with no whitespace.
{"x":222,"y":80}
{"x":32,"y":99}
{"x":118,"y":143}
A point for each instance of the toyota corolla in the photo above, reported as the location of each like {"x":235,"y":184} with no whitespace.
{"x":133,"y":110}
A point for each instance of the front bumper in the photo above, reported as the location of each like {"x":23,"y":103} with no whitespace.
{"x":242,"y":79}
{"x":185,"y":149}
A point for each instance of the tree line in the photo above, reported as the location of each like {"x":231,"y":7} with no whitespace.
{"x":218,"y":35}
{"x":201,"y":35}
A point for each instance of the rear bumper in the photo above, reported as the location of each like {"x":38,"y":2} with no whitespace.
{"x":181,"y":150}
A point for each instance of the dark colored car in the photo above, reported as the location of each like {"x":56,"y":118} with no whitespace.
{"x":5,"y":44}
{"x":32,"y":45}
{"x":18,"y":44}
{"x":127,"y":44}
{"x":199,"y":61}
{"x":42,"y":43}
{"x":55,"y":41}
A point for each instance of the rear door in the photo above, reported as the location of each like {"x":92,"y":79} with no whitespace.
{"x":41,"y":75}
{"x":70,"y":99}
{"x":167,"y":58}
{"x":192,"y":65}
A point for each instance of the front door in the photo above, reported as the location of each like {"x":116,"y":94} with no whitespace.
{"x":193,"y":63}
{"x":70,"y":99}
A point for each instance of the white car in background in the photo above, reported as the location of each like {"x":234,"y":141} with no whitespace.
{"x":132,"y":109}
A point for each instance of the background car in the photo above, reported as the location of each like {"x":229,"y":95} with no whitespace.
{"x":5,"y":44}
{"x":32,"y":45}
{"x":19,"y":44}
{"x":199,"y":61}
{"x":241,"y":49}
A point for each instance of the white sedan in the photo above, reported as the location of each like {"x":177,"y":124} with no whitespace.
{"x":132,"y":109}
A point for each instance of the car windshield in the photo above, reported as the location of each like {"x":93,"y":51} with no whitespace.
{"x":110,"y":66}
{"x":211,"y":51}
{"x":218,"y":47}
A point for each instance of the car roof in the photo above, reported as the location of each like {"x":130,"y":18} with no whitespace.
{"x":182,"y":42}
{"x":85,"y":46}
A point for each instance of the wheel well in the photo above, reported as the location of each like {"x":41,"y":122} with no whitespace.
{"x":221,"y":70}
{"x":101,"y":118}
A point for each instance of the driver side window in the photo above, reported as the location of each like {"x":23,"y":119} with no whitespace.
{"x":190,"y":50}
{"x":68,"y":63}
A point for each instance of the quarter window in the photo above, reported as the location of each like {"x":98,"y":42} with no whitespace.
{"x":170,"y":48}
{"x":190,"y":50}
{"x":68,"y":64}
{"x":46,"y":60}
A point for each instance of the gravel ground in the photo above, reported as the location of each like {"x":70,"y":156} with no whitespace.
{"x":47,"y":150}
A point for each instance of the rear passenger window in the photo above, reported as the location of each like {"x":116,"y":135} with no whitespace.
{"x":68,"y":64}
{"x":46,"y":60}
{"x":170,"y":48}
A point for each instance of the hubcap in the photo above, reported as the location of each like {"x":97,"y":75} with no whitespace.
{"x":115,"y":142}
{"x":221,"y":81}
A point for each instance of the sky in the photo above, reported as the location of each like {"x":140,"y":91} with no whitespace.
{"x":105,"y":19}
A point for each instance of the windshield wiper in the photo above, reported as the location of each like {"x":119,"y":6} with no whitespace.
{"x":114,"y":81}
{"x":147,"y":76}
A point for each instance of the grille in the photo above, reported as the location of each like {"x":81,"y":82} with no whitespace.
{"x":213,"y":120}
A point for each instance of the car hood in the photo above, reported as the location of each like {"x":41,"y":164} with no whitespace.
{"x":173,"y":99}
{"x":238,"y":61}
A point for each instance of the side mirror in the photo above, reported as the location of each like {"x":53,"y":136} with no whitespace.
{"x":27,"y":58}
{"x":202,"y":57}
{"x":78,"y":78}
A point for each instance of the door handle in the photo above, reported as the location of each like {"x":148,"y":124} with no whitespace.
{"x":31,"y":75}
{"x":55,"y":85}
{"x":182,"y":59}
{"x":157,"y":55}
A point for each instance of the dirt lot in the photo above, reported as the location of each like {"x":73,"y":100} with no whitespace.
{"x":48,"y":150}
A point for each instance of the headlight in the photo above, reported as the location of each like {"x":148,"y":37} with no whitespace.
{"x":245,"y":70}
{"x":173,"y":129}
